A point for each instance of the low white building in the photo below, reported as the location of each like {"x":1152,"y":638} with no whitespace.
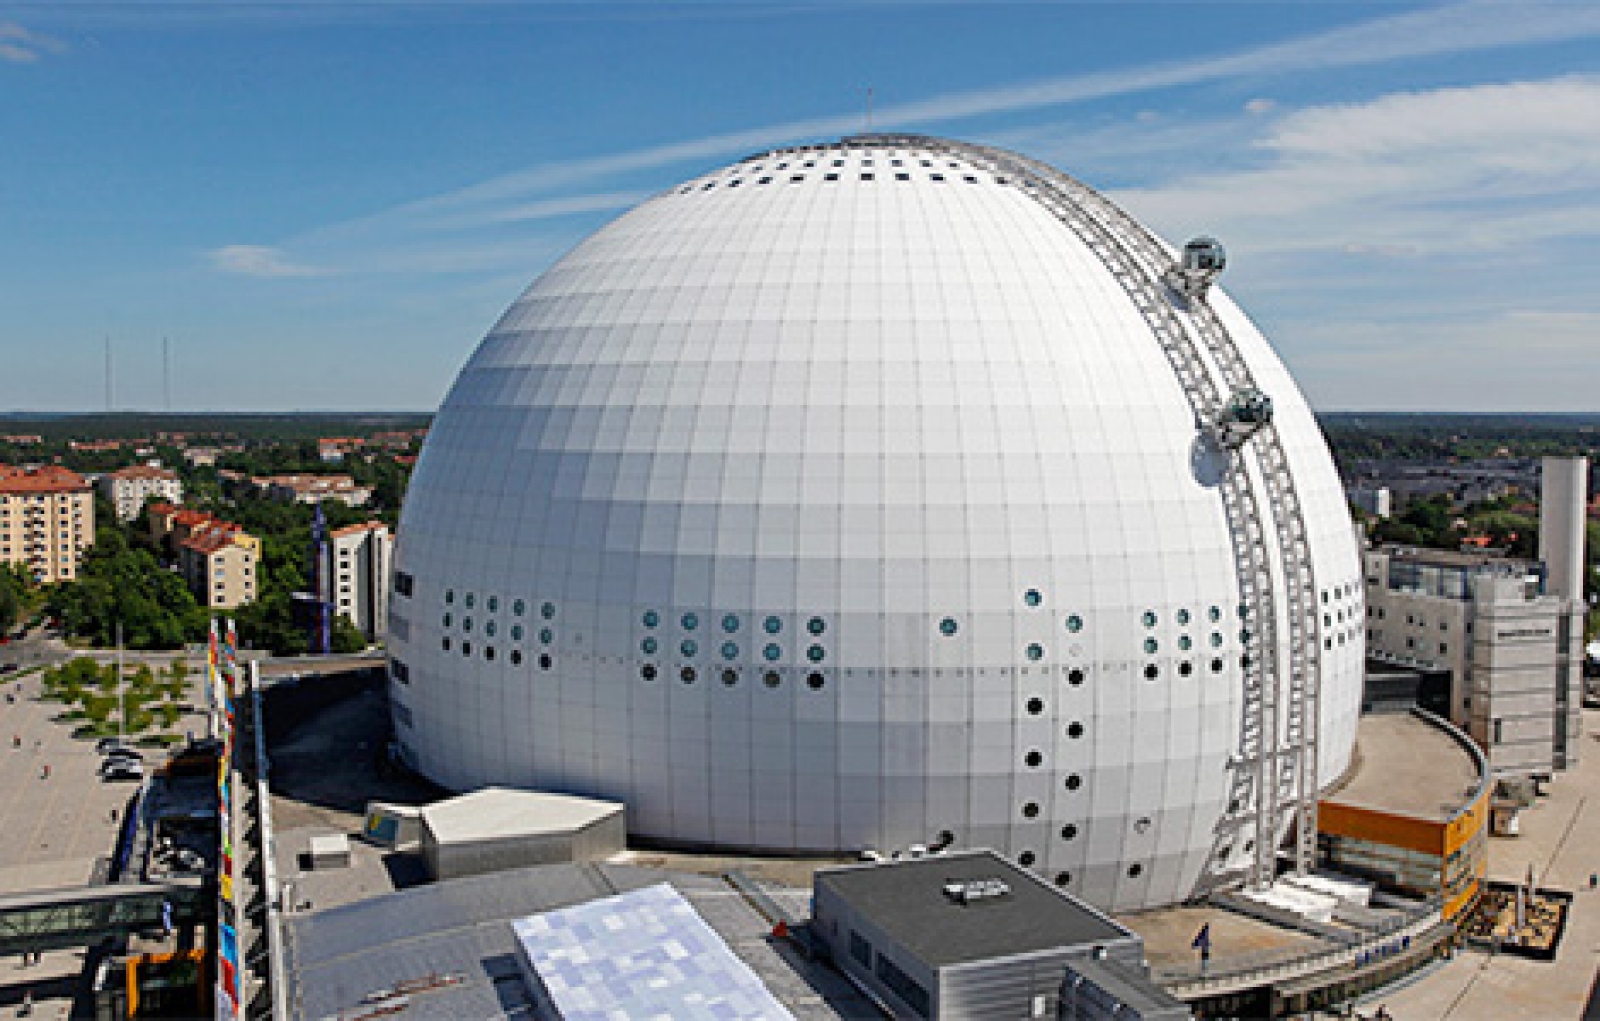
{"x":129,"y":489}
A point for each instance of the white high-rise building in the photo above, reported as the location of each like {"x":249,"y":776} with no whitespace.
{"x":130,"y":488}
{"x":888,"y":492}
{"x":356,"y":575}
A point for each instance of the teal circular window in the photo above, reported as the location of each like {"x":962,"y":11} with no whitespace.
{"x":651,"y":618}
{"x":1215,"y":613}
{"x":688,"y":648}
{"x":489,"y":629}
{"x":948,"y":627}
{"x":547,"y":610}
{"x":519,"y":607}
{"x":1150,"y":645}
{"x":689,"y":621}
{"x":1032,"y":597}
{"x":1036,"y":652}
{"x":1244,"y":611}
{"x":1216,"y":640}
{"x":546,"y":635}
{"x":1183,"y":616}
{"x":730,"y":623}
{"x":466,"y":623}
{"x":1185,"y":642}
{"x":470,"y":600}
{"x":816,"y":625}
{"x":493,"y":604}
{"x":772,"y":625}
{"x":649,"y":646}
{"x":772,"y":652}
{"x":1074,"y":623}
{"x":1149,"y":618}
{"x":1244,"y":635}
{"x":815,"y":653}
{"x":516,"y":632}
{"x":730,"y":650}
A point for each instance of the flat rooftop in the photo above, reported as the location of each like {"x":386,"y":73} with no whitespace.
{"x":1406,"y":765}
{"x":907,"y":900}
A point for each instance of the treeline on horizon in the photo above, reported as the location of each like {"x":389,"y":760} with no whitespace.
{"x":242,"y":426}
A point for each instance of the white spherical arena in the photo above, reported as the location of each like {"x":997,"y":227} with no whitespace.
{"x":844,"y":498}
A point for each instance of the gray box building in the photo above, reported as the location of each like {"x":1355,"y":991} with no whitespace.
{"x":967,"y":935}
{"x":497,"y":829}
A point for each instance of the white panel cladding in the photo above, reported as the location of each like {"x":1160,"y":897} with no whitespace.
{"x":799,"y":431}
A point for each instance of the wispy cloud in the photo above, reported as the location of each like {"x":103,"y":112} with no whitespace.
{"x":258,"y":261}
{"x":20,"y":46}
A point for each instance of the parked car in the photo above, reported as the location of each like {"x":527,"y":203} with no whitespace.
{"x":107,"y":744}
{"x":121,"y":769}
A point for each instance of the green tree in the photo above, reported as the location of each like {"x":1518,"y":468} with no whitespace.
{"x":346,"y":638}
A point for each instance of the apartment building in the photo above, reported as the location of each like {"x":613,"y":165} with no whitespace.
{"x":129,"y":488}
{"x":314,"y":489}
{"x":355,"y":575}
{"x":219,"y":561}
{"x":46,"y":520}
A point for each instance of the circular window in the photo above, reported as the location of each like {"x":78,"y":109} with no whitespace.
{"x":1244,"y":611}
{"x":1069,"y":832}
{"x":687,"y":675}
{"x":1074,"y":623}
{"x":815,"y":653}
{"x":689,"y":621}
{"x":516,"y":632}
{"x":1074,"y":729}
{"x":466,"y":623}
{"x":1149,"y":618}
{"x":1216,"y":666}
{"x":730,"y":677}
{"x":1151,"y":672}
{"x":815,"y":681}
{"x":1031,"y":810}
{"x":488,"y":652}
{"x":772,"y":625}
{"x":771,"y":679}
{"x":651,"y":618}
{"x":470,"y":600}
{"x":1135,"y":871}
{"x":1034,"y":759}
{"x":516,"y":657}
{"x":490,"y":628}
{"x":1035,"y":706}
{"x":1244,"y":661}
{"x":649,"y":646}
{"x":1185,"y":643}
{"x":547,"y":611}
{"x":449,"y":596}
{"x":1074,"y":781}
{"x":545,"y":662}
{"x":1063,"y":878}
{"x":730,"y":650}
{"x":1142,"y":824}
{"x":1216,"y":640}
{"x":1026,"y":859}
{"x":466,"y":648}
{"x":948,"y":627}
{"x":1150,"y":646}
{"x":493,"y":604}
{"x":546,"y":636}
{"x":519,"y":608}
{"x":771,"y":652}
{"x":1185,"y":668}
{"x":1215,"y":613}
{"x":1244,"y":636}
{"x":816,"y":625}
{"x":1035,"y":652}
{"x":688,"y":648}
{"x":446,"y":643}
{"x":730,"y":623}
{"x":1183,"y":616}
{"x":1032,"y":597}
{"x":1075,"y":678}
{"x":648,"y":671}
{"x":447,"y":620}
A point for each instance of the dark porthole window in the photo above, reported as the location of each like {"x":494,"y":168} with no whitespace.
{"x":771,"y":679}
{"x":519,"y":607}
{"x":730,"y":677}
{"x":816,"y":625}
{"x":1032,"y":597}
{"x":488,"y":653}
{"x":1075,"y":729}
{"x":690,"y":621}
{"x":547,"y":611}
{"x":470,"y":601}
{"x":446,"y":643}
{"x":772,"y":625}
{"x":730,"y":650}
{"x":493,"y":604}
{"x":516,"y":657}
{"x":948,"y":627}
{"x":815,"y":654}
{"x":687,"y":675}
{"x":648,"y":671}
{"x":1074,"y":782}
{"x":1149,"y":618}
{"x":772,"y":652}
{"x":1035,"y":652}
{"x":489,"y":628}
{"x":1075,"y":678}
{"x":449,"y":596}
{"x":516,"y":632}
{"x":688,"y":648}
{"x":1033,"y":759}
{"x":649,"y":646}
{"x":466,"y":648}
{"x":1185,"y":668}
{"x":730,"y":623}
{"x":1063,"y":878}
{"x":1035,"y":706}
{"x":1216,"y":640}
{"x":1244,"y":661}
{"x":545,"y":662}
{"x":651,"y":618}
{"x":1216,"y":666}
{"x":1135,"y":871}
{"x":1151,"y":672}
{"x":546,"y":635}
{"x":815,"y":681}
{"x":447,"y":620}
{"x":1069,"y":832}
{"x":1026,"y":859}
{"x":1215,"y":614}
{"x":1150,"y":646}
{"x":1185,"y":643}
{"x":1031,"y":810}
{"x":1074,"y":623}
{"x":1183,"y":616}
{"x":466,"y":623}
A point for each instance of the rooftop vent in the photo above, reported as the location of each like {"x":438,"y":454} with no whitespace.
{"x":968,"y":891}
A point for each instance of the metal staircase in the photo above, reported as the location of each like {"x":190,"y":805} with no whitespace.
{"x":1277,"y":761}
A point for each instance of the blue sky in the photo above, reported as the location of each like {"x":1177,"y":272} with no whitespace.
{"x":326,"y":205}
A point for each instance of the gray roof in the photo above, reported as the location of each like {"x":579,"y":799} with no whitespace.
{"x":495,"y":812}
{"x":906,"y":900}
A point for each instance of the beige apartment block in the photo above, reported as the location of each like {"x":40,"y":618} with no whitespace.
{"x":46,"y":520}
{"x":129,"y":488}
{"x":220,"y":562}
{"x":314,"y":489}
